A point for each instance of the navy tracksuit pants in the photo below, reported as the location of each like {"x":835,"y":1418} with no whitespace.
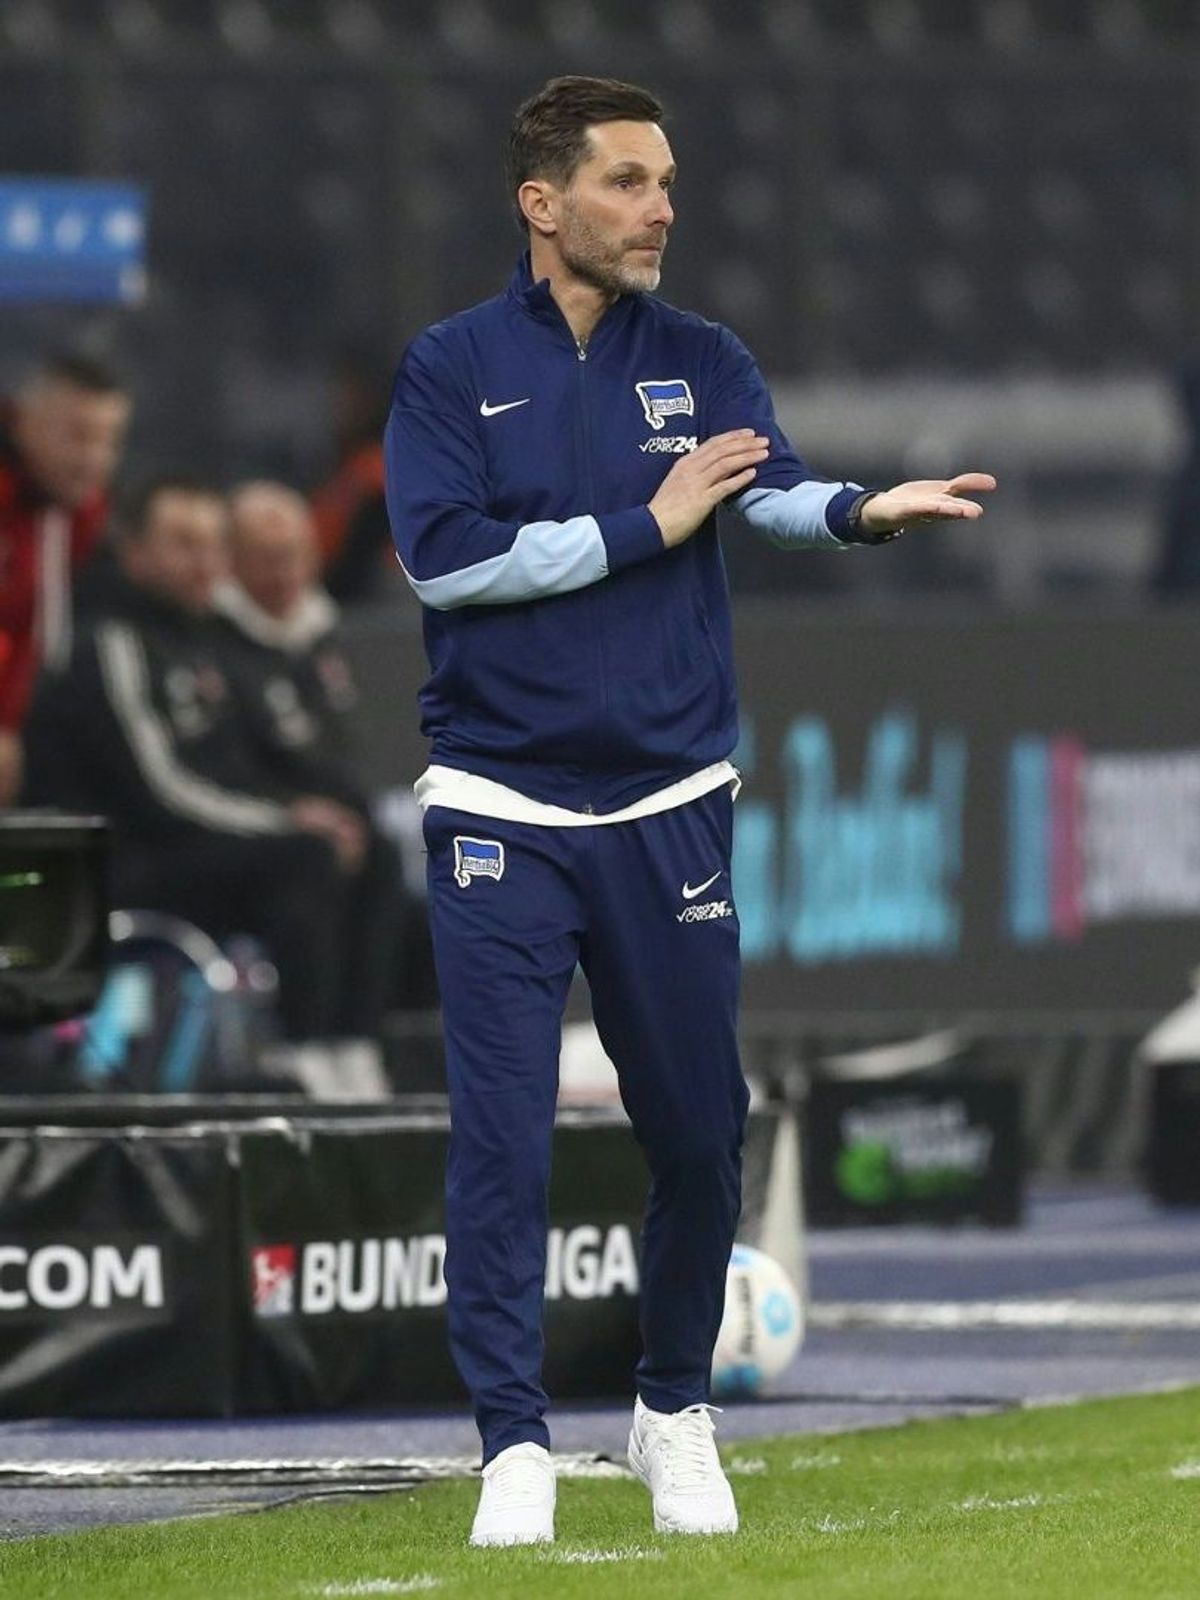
{"x":646,"y":908}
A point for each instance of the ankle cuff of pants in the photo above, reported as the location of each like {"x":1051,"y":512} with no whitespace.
{"x":515,"y":1433}
{"x":671,"y":1400}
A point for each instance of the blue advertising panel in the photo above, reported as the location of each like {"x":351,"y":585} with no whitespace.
{"x":71,"y":240}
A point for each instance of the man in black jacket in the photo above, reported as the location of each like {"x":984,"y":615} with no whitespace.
{"x":150,"y":727}
{"x":285,"y":642}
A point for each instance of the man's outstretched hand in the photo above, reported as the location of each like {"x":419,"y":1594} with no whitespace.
{"x":928,"y":500}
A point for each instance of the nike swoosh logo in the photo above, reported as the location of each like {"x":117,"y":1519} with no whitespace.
{"x":690,"y":894}
{"x":486,"y":410}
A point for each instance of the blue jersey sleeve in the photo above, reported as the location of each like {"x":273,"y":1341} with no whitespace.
{"x":787,"y":502}
{"x":452,"y":552}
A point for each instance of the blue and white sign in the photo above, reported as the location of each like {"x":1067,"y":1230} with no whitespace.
{"x":72,"y":240}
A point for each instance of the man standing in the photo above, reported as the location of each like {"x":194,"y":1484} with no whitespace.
{"x":555,"y":456}
{"x":68,"y":428}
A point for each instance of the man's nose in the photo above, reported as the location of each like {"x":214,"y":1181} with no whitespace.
{"x":663,"y":212}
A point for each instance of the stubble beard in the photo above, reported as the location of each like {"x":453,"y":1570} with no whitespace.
{"x":593,"y":260}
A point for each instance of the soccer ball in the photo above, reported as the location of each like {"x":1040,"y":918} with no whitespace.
{"x":762,"y":1326}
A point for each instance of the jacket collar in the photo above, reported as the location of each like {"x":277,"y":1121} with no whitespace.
{"x":536,"y":301}
{"x":313,"y":618}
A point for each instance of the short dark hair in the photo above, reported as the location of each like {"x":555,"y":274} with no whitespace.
{"x":80,"y":372}
{"x":137,"y":505}
{"x":548,"y":137}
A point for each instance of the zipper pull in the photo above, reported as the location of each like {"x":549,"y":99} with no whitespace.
{"x":581,"y":349}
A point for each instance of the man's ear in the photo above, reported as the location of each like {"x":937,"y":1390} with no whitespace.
{"x":536,"y":200}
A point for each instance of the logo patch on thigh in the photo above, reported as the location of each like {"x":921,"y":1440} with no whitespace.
{"x":477,"y":858}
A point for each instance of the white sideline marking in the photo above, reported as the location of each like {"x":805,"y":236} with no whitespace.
{"x":1100,"y":1315}
{"x":823,"y":1458}
{"x":829,"y":1524}
{"x":986,"y":1502}
{"x":1186,"y":1469}
{"x":747,"y":1466}
{"x":634,"y":1553}
{"x":423,"y":1581}
{"x":832,"y":1525}
{"x":377,"y":1471}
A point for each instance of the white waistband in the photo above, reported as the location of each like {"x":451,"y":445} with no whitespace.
{"x":464,"y":791}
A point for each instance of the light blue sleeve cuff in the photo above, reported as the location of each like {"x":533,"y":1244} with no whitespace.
{"x":545,"y":558}
{"x":806,"y":516}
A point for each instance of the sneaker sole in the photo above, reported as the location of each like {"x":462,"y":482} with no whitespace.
{"x":492,"y":1540}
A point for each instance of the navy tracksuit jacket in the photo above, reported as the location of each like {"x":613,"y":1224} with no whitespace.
{"x":575,"y":660}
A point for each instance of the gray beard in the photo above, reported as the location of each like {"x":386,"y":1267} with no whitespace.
{"x":594,"y":262}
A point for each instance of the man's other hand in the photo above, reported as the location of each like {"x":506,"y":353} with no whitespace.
{"x":696,"y":484}
{"x":927,"y":500}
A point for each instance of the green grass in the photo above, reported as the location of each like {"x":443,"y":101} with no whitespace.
{"x":1073,"y":1501}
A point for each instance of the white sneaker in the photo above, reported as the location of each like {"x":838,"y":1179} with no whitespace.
{"x":516,"y":1503}
{"x":674,"y":1455}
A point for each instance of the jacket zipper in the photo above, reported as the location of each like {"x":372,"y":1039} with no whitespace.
{"x":590,"y":501}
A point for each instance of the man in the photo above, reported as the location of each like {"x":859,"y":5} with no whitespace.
{"x":68,"y":428}
{"x":286,"y":625}
{"x":282,"y":629}
{"x":555,"y":457}
{"x":148,"y":726}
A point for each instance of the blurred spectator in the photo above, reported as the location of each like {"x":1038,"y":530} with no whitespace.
{"x":1178,"y":569}
{"x":288,"y":655}
{"x":148,"y":726}
{"x":286,"y":625}
{"x":353,"y":532}
{"x":66,"y":433}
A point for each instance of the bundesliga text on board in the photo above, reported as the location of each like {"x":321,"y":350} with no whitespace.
{"x":356,"y":1277}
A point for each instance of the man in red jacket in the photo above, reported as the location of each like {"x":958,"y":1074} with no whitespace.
{"x":67,"y":431}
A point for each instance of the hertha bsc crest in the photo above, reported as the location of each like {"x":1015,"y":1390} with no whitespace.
{"x":665,"y":397}
{"x":477,"y":858}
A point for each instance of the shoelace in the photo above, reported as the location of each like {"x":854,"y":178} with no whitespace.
{"x":517,"y":1477}
{"x":688,"y":1453}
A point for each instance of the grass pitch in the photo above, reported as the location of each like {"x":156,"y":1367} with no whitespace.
{"x":1086,"y":1501}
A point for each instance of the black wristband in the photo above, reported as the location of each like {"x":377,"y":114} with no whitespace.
{"x":854,"y":522}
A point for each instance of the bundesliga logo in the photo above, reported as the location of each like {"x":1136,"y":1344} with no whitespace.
{"x":273,"y":1269}
{"x":324,"y":1277}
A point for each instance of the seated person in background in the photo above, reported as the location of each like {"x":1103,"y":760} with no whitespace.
{"x":282,"y":627}
{"x":148,"y":726}
{"x":64,"y":442}
{"x":285,"y":626}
